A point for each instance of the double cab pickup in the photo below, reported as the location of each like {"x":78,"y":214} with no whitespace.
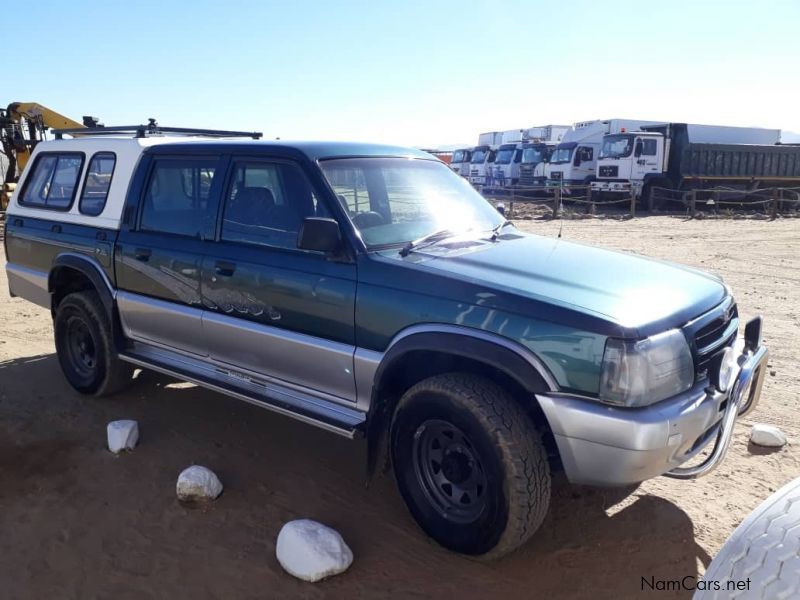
{"x":370,"y":291}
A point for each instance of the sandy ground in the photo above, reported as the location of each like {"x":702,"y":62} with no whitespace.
{"x":77,"y":522}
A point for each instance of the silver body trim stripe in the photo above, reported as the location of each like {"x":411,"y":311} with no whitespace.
{"x":274,"y":396}
{"x":29,"y":284}
{"x":167,"y":324}
{"x":306,"y":360}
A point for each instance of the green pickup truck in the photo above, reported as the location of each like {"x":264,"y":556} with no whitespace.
{"x":370,"y":291}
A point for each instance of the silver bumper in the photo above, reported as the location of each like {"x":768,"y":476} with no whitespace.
{"x":609,"y":446}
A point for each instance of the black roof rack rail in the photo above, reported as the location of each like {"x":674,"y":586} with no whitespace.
{"x":152,"y":128}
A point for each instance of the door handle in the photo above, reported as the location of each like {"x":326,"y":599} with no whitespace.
{"x":223,"y":268}
{"x":142,"y":254}
{"x":56,"y":229}
{"x":18,"y":223}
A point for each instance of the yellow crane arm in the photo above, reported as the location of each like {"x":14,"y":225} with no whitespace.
{"x":48,"y":117}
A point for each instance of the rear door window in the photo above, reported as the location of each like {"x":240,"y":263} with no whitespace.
{"x":54,"y":180}
{"x":177,"y":196}
{"x":97,"y":183}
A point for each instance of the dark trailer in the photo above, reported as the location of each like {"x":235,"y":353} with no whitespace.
{"x":748,"y":166}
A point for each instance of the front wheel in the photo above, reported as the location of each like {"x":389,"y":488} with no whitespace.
{"x":85,"y":348}
{"x":469,"y":464}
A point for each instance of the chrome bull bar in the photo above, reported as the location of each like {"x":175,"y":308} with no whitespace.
{"x":743,"y":398}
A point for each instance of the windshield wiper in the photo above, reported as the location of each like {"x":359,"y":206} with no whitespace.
{"x":426,"y":240}
{"x":496,"y":231}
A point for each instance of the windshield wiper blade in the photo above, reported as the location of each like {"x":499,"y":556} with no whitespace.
{"x":426,"y":240}
{"x":496,"y":231}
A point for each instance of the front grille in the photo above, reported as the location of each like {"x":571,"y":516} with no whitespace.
{"x":711,"y":334}
{"x":608,"y":171}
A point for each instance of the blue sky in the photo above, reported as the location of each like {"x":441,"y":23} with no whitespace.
{"x":415,"y":73}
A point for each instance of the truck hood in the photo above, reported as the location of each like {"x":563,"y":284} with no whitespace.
{"x":641,"y":295}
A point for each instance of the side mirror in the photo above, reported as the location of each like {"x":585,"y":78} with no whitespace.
{"x":319,"y":234}
{"x":637,"y":149}
{"x":577,"y":161}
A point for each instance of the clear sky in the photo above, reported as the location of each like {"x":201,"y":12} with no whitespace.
{"x":410,"y":72}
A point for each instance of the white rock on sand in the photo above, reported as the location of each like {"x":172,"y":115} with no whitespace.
{"x":198,"y":483}
{"x":767,"y":435}
{"x":122,"y":435}
{"x":311,"y":551}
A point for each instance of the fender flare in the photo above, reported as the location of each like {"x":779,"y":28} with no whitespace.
{"x":102,"y":284}
{"x":88,"y":267}
{"x":498,"y":352}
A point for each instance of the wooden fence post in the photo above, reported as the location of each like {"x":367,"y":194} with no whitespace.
{"x":556,"y":201}
{"x":511,"y":203}
{"x":774,"y":207}
{"x":692,"y":203}
{"x":633,"y":203}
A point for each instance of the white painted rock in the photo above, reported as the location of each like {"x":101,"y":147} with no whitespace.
{"x":767,"y":435}
{"x":122,"y":435}
{"x":311,"y":551}
{"x":198,"y":483}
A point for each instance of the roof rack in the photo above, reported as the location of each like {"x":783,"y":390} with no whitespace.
{"x":151,"y":129}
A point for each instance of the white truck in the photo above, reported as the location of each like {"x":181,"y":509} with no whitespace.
{"x":574,"y":160}
{"x":538,"y":144}
{"x":460,"y":161}
{"x":481,"y":163}
{"x":525,"y":148}
{"x":681,"y":156}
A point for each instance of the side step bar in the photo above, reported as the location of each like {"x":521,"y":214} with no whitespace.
{"x":269,"y":394}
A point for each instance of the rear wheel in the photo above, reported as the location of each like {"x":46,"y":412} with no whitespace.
{"x":469,"y":464}
{"x":85,"y":347}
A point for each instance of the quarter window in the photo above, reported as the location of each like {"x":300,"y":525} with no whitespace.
{"x":177,"y":196}
{"x":97,"y":183}
{"x":266,"y":204}
{"x":53,"y":182}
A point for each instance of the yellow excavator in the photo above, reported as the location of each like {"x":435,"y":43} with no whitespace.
{"x":22,"y":126}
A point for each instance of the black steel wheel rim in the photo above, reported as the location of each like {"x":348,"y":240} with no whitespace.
{"x":449,"y":471}
{"x":81,"y":348}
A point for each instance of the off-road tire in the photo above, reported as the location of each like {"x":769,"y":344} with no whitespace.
{"x":105,"y":373}
{"x":764,"y":551}
{"x":507,"y":446}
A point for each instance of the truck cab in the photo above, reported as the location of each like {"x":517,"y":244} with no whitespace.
{"x":627,"y":160}
{"x":533,"y":162}
{"x":572,"y":163}
{"x":507,"y":164}
{"x":461,"y":161}
{"x":481,"y":164}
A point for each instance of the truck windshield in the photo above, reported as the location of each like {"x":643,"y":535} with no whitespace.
{"x":533,"y":155}
{"x":392,"y":201}
{"x":461,"y":156}
{"x":617,"y":146}
{"x":561,"y":155}
{"x":479,"y":156}
{"x":504,"y":156}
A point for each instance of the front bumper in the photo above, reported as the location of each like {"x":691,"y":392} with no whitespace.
{"x":611,"y":446}
{"x":605,"y":185}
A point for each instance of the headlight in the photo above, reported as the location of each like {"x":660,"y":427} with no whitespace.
{"x":641,"y":373}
